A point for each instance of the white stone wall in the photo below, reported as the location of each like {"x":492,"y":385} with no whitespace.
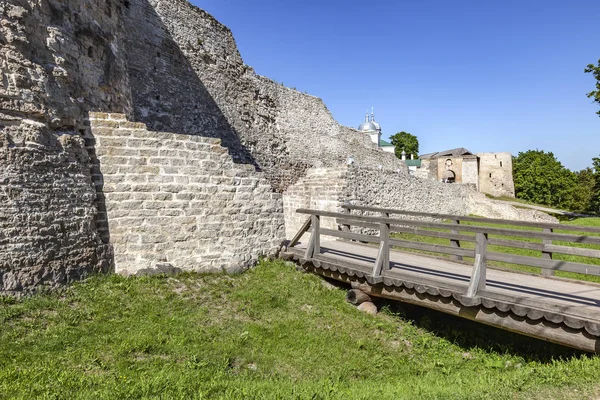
{"x":495,"y":174}
{"x":320,"y":189}
{"x":179,"y":201}
{"x":470,"y":171}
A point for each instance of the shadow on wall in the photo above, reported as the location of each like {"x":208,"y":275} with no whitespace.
{"x":167,"y":93}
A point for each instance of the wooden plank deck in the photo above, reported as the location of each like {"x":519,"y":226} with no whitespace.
{"x":569,"y":305}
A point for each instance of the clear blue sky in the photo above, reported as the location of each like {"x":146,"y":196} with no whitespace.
{"x":487,"y":75}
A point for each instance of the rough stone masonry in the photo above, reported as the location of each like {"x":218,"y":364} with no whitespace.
{"x":133,"y":137}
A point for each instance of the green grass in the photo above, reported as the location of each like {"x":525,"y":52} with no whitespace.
{"x":271,"y":333}
{"x":521,"y":252}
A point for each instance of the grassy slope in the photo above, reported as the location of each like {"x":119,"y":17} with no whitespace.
{"x":270,"y":333}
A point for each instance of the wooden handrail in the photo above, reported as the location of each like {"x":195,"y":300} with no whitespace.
{"x":565,"y":237}
{"x":547,"y":225}
{"x":385,"y":225}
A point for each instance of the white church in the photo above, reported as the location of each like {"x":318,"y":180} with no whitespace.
{"x":373,"y":129}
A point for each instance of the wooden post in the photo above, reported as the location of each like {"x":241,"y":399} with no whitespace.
{"x":383,"y":256}
{"x":453,"y":242}
{"x":547,"y":255}
{"x":479,"y":274}
{"x":314,"y":246}
{"x":345,"y":227}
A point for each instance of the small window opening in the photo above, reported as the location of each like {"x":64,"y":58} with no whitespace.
{"x":500,"y":163}
{"x":91,"y":52}
{"x":490,"y":175}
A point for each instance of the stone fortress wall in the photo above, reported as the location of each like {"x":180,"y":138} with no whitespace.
{"x":210,"y":91}
{"x":81,"y":192}
{"x":179,"y":202}
{"x":495,"y":174}
{"x":48,"y":49}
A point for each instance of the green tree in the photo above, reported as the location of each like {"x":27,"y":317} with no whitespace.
{"x":595,"y":201}
{"x":539,"y":177}
{"x":584,"y":194}
{"x":594,"y":94}
{"x":407,"y":142}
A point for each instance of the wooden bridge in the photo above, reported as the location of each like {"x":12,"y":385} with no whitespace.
{"x":362,"y":252}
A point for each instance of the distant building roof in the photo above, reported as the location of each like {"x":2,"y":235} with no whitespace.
{"x":383,"y":143}
{"x":413,"y":163}
{"x":461,"y":151}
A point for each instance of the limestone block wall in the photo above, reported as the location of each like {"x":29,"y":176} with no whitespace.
{"x":179,"y":201}
{"x":327,"y":188}
{"x":321,"y":189}
{"x":495,"y":174}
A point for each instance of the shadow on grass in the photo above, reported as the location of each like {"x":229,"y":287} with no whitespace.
{"x":470,"y":335}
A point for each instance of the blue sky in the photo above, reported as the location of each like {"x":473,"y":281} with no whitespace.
{"x":487,"y":75}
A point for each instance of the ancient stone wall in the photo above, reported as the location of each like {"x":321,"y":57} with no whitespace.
{"x":58,"y":59}
{"x":470,"y":172}
{"x":382,"y":188}
{"x":495,"y":174}
{"x":180,"y":202}
{"x":320,"y":189}
{"x":188,"y":77}
{"x":328,"y":188}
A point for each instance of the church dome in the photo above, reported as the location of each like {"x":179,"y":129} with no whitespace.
{"x":368,"y":126}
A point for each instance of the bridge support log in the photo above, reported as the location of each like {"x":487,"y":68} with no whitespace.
{"x":357,"y":297}
{"x":541,"y":329}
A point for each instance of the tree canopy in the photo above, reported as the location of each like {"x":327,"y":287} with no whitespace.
{"x":595,"y":70}
{"x":407,"y":142}
{"x":539,"y":177}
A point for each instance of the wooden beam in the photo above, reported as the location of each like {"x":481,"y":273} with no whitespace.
{"x":475,"y":282}
{"x":302,"y":231}
{"x":455,"y":242}
{"x":547,"y":255}
{"x":314,"y":245}
{"x":382,"y":263}
{"x":350,"y":236}
{"x":572,"y":251}
{"x":545,"y":330}
{"x":574,"y":228}
{"x":465,"y":228}
{"x":516,"y":244}
{"x":436,"y":248}
{"x":481,"y":251}
{"x":580,"y":268}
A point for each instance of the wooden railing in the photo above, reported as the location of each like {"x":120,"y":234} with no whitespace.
{"x":433,"y":225}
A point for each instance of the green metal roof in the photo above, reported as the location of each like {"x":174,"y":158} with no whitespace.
{"x":413,"y":163}
{"x":383,"y":143}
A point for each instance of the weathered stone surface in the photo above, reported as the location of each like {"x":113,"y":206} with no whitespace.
{"x":58,"y":59}
{"x":211,"y":92}
{"x":176,"y":212}
{"x":199,"y":190}
{"x":495,"y":174}
{"x":368,"y":307}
